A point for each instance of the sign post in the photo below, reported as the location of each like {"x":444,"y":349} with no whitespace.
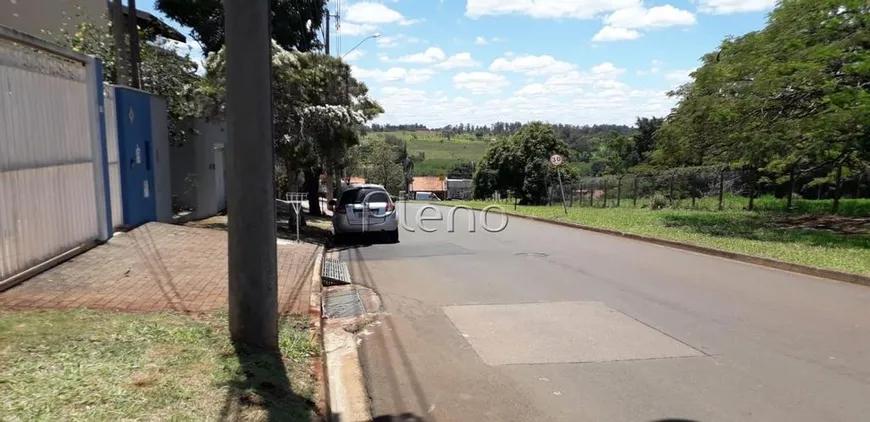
{"x":296,"y":199}
{"x":556,"y":161}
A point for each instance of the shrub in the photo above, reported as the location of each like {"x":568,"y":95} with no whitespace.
{"x":658,"y":201}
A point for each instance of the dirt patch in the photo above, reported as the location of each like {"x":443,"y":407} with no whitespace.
{"x":832,"y":223}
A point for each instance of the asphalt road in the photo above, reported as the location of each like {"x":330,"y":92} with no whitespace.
{"x":540,"y":322}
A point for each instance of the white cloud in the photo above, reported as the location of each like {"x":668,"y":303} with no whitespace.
{"x":724,"y":7}
{"x":609,"y":33}
{"x":393,"y":74}
{"x":354,"y":55}
{"x":654,"y":17}
{"x":533,"y":89}
{"x":679,"y":76}
{"x":481,"y":41}
{"x":534,"y":65}
{"x":608,"y":69}
{"x":591,"y":96}
{"x":374,"y":13}
{"x":546,"y":9}
{"x":391,"y":41}
{"x":388,"y":42}
{"x":457,"y":61}
{"x":655,"y":67}
{"x":480,"y":82}
{"x":431,"y":55}
{"x":353,"y":29}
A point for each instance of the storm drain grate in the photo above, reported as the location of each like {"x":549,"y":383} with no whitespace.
{"x":334,"y":272}
{"x":343,"y":304}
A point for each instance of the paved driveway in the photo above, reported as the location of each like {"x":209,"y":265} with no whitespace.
{"x":159,"y":267}
{"x":540,"y":322}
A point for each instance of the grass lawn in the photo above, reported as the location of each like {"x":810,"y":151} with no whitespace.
{"x":789,"y":238}
{"x":88,"y":365}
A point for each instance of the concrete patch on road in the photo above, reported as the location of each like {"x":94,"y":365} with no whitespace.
{"x":560,"y":332}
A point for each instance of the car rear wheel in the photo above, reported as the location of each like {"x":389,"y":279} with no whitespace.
{"x":393,"y":236}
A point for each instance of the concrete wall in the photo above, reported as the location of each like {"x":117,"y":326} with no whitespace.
{"x":183,"y":172}
{"x":195,"y":179}
{"x":36,"y":16}
{"x":160,"y":152}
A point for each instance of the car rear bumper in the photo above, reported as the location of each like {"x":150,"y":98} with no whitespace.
{"x":340,"y":225}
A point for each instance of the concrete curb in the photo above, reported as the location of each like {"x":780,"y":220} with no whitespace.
{"x":315,"y":310}
{"x":347,"y":396}
{"x":765,"y":262}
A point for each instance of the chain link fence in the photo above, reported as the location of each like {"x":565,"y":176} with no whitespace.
{"x":713,"y":189}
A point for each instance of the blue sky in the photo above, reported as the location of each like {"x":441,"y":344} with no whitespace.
{"x":440,"y":62}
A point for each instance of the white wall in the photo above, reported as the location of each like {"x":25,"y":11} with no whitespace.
{"x":48,"y":193}
{"x":160,"y":153}
{"x":194,"y":170}
{"x":112,"y":150}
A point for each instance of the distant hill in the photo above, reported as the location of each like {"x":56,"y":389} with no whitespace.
{"x":452,"y":145}
{"x":441,"y":154}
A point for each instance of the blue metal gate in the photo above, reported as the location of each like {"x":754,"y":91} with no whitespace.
{"x":134,"y":146}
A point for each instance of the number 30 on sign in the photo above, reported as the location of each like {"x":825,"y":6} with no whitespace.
{"x":557,"y":160}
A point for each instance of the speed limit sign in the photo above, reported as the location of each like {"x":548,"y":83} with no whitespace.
{"x":557,"y":160}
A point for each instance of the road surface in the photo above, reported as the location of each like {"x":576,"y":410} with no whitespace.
{"x":544,"y":323}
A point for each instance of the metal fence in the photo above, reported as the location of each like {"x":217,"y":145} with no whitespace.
{"x":711,"y":188}
{"x":52,"y":178}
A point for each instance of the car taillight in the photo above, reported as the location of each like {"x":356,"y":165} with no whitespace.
{"x":390,"y":206}
{"x":341,"y":209}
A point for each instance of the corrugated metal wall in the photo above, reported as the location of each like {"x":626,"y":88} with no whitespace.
{"x":47,"y":192}
{"x":112,"y":152}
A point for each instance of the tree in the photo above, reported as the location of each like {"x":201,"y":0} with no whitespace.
{"x":461,"y":171}
{"x":318,"y":108}
{"x":784,"y":99}
{"x":164,"y":72}
{"x":290,"y":21}
{"x":644,"y":139}
{"x":386,"y":167}
{"x":520,"y":164}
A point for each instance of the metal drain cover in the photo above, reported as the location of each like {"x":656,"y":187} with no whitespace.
{"x":343,"y":304}
{"x":334,"y":272}
{"x":533,"y":254}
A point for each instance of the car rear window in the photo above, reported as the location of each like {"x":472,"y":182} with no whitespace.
{"x":356,"y":196}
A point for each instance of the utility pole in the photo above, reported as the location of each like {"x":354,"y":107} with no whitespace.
{"x":133,"y":28}
{"x":253,"y":287}
{"x":326,"y":36}
{"x":121,"y":59}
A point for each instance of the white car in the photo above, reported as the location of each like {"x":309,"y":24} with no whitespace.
{"x":365,"y":209}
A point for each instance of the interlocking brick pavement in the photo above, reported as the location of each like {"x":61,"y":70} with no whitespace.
{"x":159,"y":267}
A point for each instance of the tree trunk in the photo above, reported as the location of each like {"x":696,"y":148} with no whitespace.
{"x":838,"y":189}
{"x":312,"y":185}
{"x":291,"y":179}
{"x":790,"y":191}
{"x":752,"y":184}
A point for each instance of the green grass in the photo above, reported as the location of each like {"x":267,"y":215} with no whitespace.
{"x":769,"y":235}
{"x":732,"y":202}
{"x":87,"y":365}
{"x":441,"y":154}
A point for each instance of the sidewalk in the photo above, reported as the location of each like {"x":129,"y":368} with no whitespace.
{"x":159,"y":267}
